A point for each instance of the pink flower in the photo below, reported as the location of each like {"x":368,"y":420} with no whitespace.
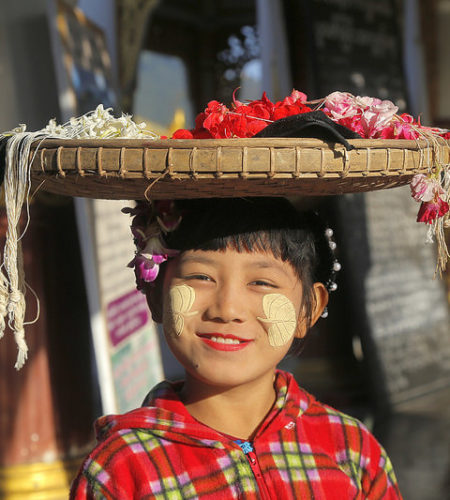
{"x":425,"y":188}
{"x":384,"y":111}
{"x":151,"y":253}
{"x":139,"y":237}
{"x":405,"y":117}
{"x":367,"y":116}
{"x":296,"y":97}
{"x":340,"y":105}
{"x":430,"y":210}
{"x":376,"y":115}
{"x":154,"y":247}
{"x":168,"y":218}
{"x":402,"y":127}
{"x":145,"y":269}
{"x":399,"y":130}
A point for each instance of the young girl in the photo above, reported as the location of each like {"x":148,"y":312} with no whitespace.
{"x":235,"y":282}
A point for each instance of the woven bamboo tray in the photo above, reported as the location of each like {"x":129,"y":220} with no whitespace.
{"x":135,"y":169}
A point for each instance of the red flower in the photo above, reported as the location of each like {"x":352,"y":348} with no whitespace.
{"x":199,"y":119}
{"x":243,"y":120}
{"x":296,"y":97}
{"x":215,"y":114}
{"x":281,"y":111}
{"x":430,"y":210}
{"x":290,"y":105}
{"x":408,"y":119}
{"x":262,"y":107}
{"x":182,"y":133}
{"x":202,"y":133}
{"x":234,"y":125}
{"x":255,"y":126}
{"x":218,"y":122}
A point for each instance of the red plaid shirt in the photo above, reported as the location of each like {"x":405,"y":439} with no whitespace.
{"x":303,"y":449}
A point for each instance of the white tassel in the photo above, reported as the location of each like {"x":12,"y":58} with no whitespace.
{"x":23,"y":348}
{"x":3,"y":302}
{"x":17,"y":188}
{"x":17,"y":185}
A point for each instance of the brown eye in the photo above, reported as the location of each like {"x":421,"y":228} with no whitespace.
{"x":200,"y":277}
{"x":262,"y":283}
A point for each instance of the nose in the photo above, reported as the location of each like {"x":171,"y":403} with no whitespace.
{"x":227,"y":305}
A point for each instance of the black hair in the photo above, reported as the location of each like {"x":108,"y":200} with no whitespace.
{"x":258,"y":224}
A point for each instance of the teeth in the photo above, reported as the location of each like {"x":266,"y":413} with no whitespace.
{"x":221,"y":340}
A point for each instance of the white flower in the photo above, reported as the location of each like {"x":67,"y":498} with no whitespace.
{"x":100,"y":124}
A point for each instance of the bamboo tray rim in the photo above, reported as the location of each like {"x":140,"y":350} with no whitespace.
{"x":237,"y":142}
{"x":132,"y":168}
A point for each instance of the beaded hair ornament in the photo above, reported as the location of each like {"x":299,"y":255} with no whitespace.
{"x":331,"y":284}
{"x":151,"y":221}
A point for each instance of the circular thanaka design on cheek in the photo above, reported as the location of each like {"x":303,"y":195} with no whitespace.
{"x":181,"y":300}
{"x":280,"y":313}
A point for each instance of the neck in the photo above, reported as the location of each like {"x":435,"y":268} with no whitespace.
{"x":237,"y":411}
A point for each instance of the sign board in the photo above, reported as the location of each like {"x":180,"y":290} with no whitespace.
{"x":399,"y":312}
{"x":124,"y":336}
{"x":403,"y":312}
{"x":132,"y":337}
{"x":346,"y":45}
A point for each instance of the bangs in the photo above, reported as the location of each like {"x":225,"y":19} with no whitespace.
{"x":255,"y":224}
{"x":261,"y":241}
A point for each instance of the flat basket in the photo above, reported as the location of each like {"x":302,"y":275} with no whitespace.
{"x":137,"y":169}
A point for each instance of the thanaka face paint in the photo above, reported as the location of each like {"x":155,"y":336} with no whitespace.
{"x":181,"y":300}
{"x":280,"y":314}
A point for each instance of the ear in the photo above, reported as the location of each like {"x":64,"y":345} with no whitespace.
{"x":320,"y":301}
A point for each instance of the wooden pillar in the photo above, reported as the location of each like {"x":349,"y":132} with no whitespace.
{"x":47,"y":408}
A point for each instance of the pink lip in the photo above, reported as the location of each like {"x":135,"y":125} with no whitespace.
{"x":224,"y":347}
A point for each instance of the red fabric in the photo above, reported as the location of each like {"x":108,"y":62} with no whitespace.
{"x":303,"y":449}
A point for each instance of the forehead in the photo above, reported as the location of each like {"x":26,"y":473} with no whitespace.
{"x":232,"y":260}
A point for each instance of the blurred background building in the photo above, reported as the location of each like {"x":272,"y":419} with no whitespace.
{"x":384,"y":352}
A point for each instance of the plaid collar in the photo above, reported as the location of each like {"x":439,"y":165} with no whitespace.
{"x":164,"y":413}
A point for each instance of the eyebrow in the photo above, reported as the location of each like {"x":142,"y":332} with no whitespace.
{"x":257,"y":263}
{"x":264,"y":264}
{"x":196,"y":259}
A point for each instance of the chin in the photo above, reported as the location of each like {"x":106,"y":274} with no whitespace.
{"x":218,"y":375}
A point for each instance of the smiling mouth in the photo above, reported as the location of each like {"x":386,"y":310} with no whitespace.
{"x":224,"y":342}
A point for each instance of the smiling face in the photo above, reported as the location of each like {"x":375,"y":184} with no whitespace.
{"x":237,"y":299}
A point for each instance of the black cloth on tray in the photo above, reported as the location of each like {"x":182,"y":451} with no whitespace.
{"x":314,"y":124}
